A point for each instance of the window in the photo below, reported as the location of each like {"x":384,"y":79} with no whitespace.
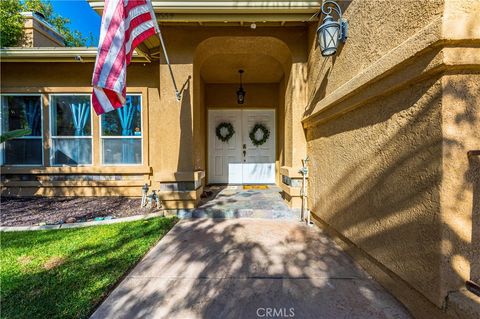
{"x":71,"y":128}
{"x":122,"y":133}
{"x":18,"y":112}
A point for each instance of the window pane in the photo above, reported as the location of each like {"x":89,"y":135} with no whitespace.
{"x":72,"y":151}
{"x":122,"y":151}
{"x":23,"y":151}
{"x":125,"y":121}
{"x":21,"y":112}
{"x":71,"y":115}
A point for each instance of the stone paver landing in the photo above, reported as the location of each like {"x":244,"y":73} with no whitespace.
{"x":236,"y":202}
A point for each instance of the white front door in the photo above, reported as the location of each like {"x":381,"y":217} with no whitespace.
{"x":239,"y":161}
{"x":225,"y":158}
{"x":259,"y":161}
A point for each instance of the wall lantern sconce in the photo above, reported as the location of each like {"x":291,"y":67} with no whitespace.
{"x":331,"y":31}
{"x":241,"y":92}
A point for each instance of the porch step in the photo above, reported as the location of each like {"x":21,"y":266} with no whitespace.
{"x":238,"y":213}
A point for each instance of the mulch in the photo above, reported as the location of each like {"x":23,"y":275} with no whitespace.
{"x":56,"y":210}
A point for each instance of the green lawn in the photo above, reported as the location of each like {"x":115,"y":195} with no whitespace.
{"x":65,"y":273}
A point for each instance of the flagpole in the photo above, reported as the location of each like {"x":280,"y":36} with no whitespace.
{"x":177,"y":93}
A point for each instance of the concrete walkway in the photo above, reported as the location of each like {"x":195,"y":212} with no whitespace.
{"x":248,"y":268}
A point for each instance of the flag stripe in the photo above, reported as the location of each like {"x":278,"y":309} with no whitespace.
{"x":115,"y":51}
{"x":102,"y":100}
{"x":135,"y":22}
{"x":120,"y":83}
{"x":139,"y":39}
{"x":132,"y":4}
{"x":125,"y":24}
{"x":145,"y":26}
{"x":115,"y":76}
{"x":113,"y":23}
{"x":109,"y":9}
{"x":108,"y":60}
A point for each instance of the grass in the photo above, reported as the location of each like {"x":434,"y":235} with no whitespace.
{"x":65,"y":273}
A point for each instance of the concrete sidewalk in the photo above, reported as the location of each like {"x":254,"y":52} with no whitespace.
{"x":248,"y":268}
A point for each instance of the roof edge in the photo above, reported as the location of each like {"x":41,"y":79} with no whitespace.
{"x":232,"y":7}
{"x":57,"y":54}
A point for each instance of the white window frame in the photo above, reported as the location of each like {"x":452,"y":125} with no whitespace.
{"x":51,"y":111}
{"x":41,"y":137}
{"x":128,"y":137}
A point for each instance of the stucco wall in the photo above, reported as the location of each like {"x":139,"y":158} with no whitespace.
{"x":41,"y":39}
{"x":376,"y":27}
{"x":375,"y":176}
{"x":390,"y":120}
{"x":75,"y":77}
{"x":78,"y":75}
{"x":259,"y":95}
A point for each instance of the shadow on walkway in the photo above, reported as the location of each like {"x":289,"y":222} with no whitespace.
{"x":244,"y":268}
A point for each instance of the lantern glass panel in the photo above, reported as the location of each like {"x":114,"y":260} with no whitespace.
{"x":240,"y":96}
{"x":328,"y":37}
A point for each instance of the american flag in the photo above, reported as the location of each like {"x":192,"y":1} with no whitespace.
{"x":125,"y":24}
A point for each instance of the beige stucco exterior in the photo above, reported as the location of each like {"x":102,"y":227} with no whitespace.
{"x":391,"y":125}
{"x":174,"y":140}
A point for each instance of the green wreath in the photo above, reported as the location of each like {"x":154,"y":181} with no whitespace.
{"x":230,"y":131}
{"x":265,"y":131}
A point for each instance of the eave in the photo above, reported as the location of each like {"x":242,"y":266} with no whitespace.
{"x":279,"y":12}
{"x":57,"y":54}
{"x":227,"y":6}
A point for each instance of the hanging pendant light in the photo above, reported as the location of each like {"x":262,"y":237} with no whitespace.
{"x":241,"y":92}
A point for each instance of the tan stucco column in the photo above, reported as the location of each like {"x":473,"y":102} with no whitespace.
{"x":171,"y":123}
{"x":459,"y":195}
{"x":294,"y":142}
{"x":295,"y":102}
{"x":173,"y":139}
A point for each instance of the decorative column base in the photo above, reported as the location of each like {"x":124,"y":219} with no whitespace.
{"x":180,"y":190}
{"x":291,"y":185}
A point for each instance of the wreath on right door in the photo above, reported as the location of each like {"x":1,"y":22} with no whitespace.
{"x":265,"y":134}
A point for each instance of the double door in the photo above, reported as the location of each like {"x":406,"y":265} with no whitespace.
{"x":239,"y":160}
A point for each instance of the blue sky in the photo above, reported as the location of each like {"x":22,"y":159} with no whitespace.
{"x":82,"y":17}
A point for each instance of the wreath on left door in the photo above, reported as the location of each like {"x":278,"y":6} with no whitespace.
{"x":224,"y":131}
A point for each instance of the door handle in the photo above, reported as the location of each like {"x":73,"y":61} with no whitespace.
{"x":244,"y":153}
{"x":244,"y":146}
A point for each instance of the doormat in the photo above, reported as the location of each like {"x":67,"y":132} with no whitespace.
{"x":255,"y":187}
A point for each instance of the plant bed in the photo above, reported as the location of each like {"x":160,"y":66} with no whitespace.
{"x":66,"y":273}
{"x":57,"y":210}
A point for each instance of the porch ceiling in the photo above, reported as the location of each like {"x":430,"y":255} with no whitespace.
{"x":259,"y":68}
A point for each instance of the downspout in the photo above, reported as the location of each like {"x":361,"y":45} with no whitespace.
{"x":303,"y":193}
